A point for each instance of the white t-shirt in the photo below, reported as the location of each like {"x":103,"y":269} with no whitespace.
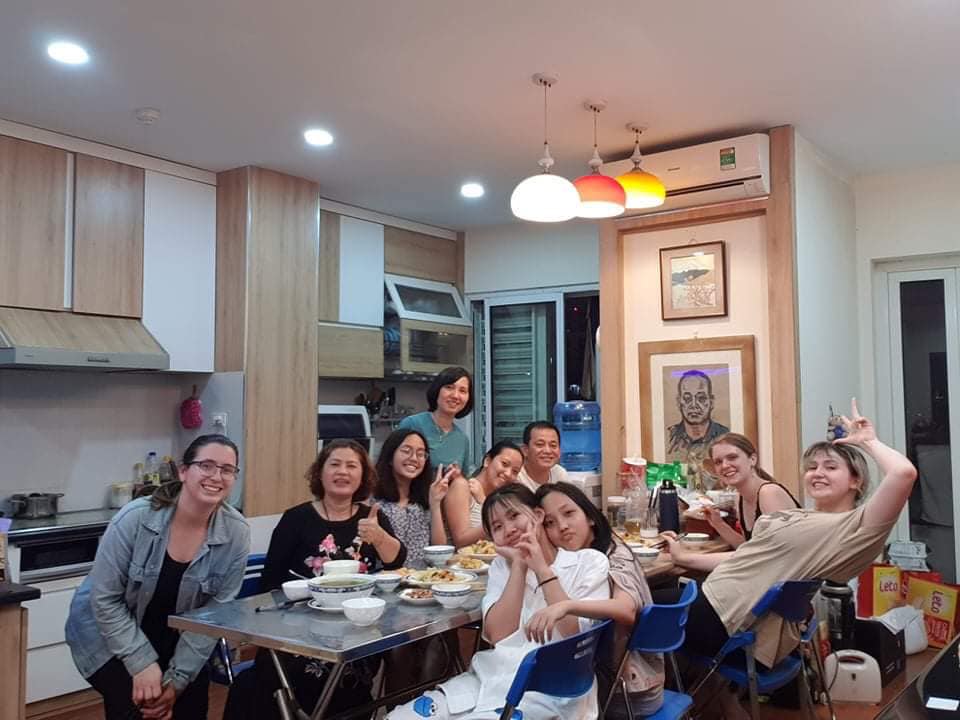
{"x":558,"y":473}
{"x":482,"y":688}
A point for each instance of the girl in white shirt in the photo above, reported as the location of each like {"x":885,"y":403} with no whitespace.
{"x":528,"y":575}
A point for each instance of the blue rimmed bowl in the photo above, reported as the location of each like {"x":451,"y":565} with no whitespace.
{"x":330,"y":591}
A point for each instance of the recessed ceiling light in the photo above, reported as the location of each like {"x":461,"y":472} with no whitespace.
{"x":317,"y":137}
{"x":68,"y":53}
{"x":471,"y":190}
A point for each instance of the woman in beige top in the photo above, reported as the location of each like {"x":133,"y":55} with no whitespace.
{"x":835,"y":541}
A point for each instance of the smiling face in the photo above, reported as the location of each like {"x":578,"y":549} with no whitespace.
{"x":565,"y":523}
{"x":503,"y":468}
{"x":509,"y":521}
{"x":829,"y":481}
{"x":342,"y":474}
{"x":731,"y":464}
{"x":543,"y":452}
{"x":694,"y":399}
{"x":453,"y":398}
{"x":209,"y":478}
{"x":409,"y":458}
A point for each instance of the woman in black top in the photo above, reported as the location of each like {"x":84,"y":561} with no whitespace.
{"x":335,"y":525}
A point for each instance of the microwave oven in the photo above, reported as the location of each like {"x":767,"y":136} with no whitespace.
{"x":344,"y":421}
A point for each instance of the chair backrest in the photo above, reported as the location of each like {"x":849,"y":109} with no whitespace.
{"x":789,"y":599}
{"x":251,"y":577}
{"x":561,"y":669}
{"x":662,"y":628}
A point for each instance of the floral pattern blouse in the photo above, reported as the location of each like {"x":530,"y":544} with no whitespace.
{"x":412,"y":525}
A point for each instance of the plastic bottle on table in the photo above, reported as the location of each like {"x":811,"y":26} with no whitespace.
{"x":151,"y":470}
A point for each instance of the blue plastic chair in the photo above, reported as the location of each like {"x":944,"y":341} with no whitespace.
{"x":223,"y":670}
{"x":659,"y":629}
{"x":565,"y":669}
{"x":791,"y":601}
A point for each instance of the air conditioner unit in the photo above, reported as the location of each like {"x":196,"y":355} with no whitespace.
{"x":734,"y":169}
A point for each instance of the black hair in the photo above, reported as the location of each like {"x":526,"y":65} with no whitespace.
{"x":386,"y":484}
{"x":448,"y":376}
{"x":538,"y":425}
{"x":315,"y":473}
{"x":167,"y":494}
{"x":495,"y":451}
{"x":508,"y":495}
{"x":602,"y":532}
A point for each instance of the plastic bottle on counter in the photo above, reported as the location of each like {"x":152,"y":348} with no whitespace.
{"x":579,"y":424}
{"x":164,"y":471}
{"x":151,"y":470}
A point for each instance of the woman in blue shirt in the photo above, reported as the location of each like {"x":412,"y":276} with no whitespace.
{"x":449,"y":397}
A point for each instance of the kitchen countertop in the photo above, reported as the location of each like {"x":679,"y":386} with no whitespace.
{"x":15,"y":593}
{"x":24,"y":527}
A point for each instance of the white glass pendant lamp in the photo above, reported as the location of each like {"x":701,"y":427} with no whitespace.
{"x":545,"y":197}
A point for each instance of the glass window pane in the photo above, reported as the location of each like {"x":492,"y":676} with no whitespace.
{"x":433,"y":302}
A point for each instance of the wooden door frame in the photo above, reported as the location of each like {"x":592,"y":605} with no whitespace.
{"x":779,"y":209}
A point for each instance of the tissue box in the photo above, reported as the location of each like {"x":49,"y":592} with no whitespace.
{"x":875,"y":639}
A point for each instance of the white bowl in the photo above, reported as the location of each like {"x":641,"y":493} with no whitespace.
{"x":451,"y":595}
{"x":437,"y":555}
{"x":341,"y":567}
{"x":330,"y":591}
{"x":387,"y":582}
{"x":694,"y":538}
{"x":296,"y":590}
{"x":645,"y":555}
{"x":363,"y":611}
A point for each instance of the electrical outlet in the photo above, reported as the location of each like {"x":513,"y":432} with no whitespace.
{"x":219,"y":421}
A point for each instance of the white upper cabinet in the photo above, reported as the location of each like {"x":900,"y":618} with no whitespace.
{"x":361,"y":273}
{"x":179,"y":269}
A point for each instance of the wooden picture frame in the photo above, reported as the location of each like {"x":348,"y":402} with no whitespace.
{"x":675,"y":375}
{"x":693,"y":281}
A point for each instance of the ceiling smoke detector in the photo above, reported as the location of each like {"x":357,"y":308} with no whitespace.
{"x":147,"y":115}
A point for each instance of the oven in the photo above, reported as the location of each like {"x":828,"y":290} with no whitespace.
{"x":57,"y":553}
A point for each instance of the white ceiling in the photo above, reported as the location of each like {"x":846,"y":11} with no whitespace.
{"x":424,"y":94}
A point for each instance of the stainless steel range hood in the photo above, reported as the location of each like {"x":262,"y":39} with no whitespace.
{"x":47,"y":339}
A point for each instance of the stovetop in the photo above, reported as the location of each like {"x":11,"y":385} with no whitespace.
{"x":98,"y":517}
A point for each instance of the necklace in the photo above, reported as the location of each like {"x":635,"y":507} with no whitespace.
{"x":329,"y":516}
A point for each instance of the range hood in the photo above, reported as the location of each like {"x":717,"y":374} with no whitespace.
{"x":47,"y":339}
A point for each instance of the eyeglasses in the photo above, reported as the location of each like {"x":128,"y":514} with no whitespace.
{"x":209,"y":468}
{"x":408,"y":452}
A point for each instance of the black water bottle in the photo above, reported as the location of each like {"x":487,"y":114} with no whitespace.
{"x":669,"y":510}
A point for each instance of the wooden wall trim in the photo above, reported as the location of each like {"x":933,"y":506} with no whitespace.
{"x":720,"y":212}
{"x":328,"y":277}
{"x":461,"y":260}
{"x":232,"y":229}
{"x":782,"y":294}
{"x":612,"y":365}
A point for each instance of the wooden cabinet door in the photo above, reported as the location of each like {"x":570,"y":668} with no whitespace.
{"x":108,"y":238}
{"x":33,"y":224}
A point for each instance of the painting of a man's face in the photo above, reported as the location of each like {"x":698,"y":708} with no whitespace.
{"x":695,"y":399}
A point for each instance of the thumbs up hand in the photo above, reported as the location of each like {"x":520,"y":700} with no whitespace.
{"x":369,"y":530}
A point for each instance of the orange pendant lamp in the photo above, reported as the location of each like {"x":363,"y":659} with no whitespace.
{"x":644,"y":190}
{"x":600,"y":195}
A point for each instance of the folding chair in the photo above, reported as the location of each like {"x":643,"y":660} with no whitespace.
{"x":564,"y":669}
{"x":791,"y":601}
{"x":659,"y":629}
{"x":222,"y":668}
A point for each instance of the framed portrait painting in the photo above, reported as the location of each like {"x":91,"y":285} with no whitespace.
{"x":693,"y":281}
{"x":692,"y":391}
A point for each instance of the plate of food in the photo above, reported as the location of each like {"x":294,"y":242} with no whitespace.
{"x":463,"y":563}
{"x":480,"y":550}
{"x":426,"y":578}
{"x":417,"y":596}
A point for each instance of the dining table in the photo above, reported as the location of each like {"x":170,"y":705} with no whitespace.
{"x":303,"y":630}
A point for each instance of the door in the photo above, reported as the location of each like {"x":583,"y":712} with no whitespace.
{"x":925,"y":383}
{"x":523,"y":359}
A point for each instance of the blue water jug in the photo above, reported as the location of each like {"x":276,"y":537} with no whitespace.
{"x":579,"y":423}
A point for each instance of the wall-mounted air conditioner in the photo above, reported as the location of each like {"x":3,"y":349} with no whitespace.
{"x":722,"y":171}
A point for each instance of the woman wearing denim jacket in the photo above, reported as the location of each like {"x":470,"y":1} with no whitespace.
{"x":173,"y":552}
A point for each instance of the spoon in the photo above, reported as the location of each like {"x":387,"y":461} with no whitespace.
{"x":296,"y":574}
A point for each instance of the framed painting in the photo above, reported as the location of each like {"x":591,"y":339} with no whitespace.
{"x":692,"y":391}
{"x":693,"y":281}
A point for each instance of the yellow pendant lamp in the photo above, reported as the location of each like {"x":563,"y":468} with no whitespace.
{"x":600,"y":195}
{"x":644,"y":190}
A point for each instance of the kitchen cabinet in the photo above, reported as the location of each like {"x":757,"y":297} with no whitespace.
{"x":35,"y":187}
{"x":422,"y":256}
{"x":350,"y":352}
{"x":351,"y":271}
{"x":50,"y":668}
{"x":179,"y":269}
{"x":108,"y":238}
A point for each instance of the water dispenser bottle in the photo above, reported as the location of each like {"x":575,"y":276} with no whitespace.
{"x":579,"y":423}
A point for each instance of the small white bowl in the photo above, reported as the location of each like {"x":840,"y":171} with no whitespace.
{"x":645,"y":555}
{"x":387,"y":582}
{"x":364,"y":611}
{"x":437,"y":555}
{"x":451,"y":595}
{"x":694,"y":538}
{"x":341,"y":567}
{"x":296,"y":590}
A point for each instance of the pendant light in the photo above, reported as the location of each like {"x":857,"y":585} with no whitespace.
{"x":600,"y":195}
{"x":644,"y":190}
{"x":545,"y":197}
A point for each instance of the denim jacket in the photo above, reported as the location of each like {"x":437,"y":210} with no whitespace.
{"x":109,"y":605}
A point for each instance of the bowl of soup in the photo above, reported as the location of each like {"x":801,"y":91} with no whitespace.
{"x":330,"y":591}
